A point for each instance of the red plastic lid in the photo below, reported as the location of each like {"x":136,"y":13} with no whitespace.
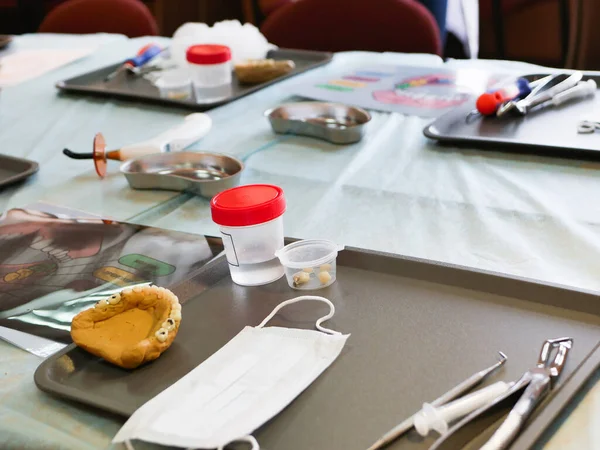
{"x":487,"y":104}
{"x":208,"y":54}
{"x":247,"y":205}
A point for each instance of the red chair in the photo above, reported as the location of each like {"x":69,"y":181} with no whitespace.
{"x":269,"y":6}
{"x":334,"y":25}
{"x":129,"y":17}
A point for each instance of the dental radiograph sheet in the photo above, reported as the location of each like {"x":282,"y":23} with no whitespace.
{"x":52,"y":267}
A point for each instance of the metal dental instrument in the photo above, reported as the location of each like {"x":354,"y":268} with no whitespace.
{"x":524,"y":397}
{"x":193,"y":128}
{"x":143,"y":56}
{"x":539,"y":96}
{"x":582,"y":89}
{"x":532,"y":86}
{"x":536,"y":87}
{"x":453,"y":393}
{"x":587,"y":127}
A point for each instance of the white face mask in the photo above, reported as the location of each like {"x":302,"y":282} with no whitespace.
{"x":239,"y":388}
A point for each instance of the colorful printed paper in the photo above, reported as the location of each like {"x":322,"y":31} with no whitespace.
{"x":420,"y":91}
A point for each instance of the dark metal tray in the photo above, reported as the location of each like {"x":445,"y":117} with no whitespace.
{"x":138,"y":88}
{"x":549,"y":131}
{"x":15,"y":169}
{"x":417,"y":329}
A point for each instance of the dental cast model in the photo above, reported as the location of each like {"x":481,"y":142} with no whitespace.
{"x":131,"y":327}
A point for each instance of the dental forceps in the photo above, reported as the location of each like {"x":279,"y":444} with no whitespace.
{"x":541,"y":95}
{"x":534,"y":385}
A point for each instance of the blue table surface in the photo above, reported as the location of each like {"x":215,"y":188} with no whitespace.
{"x":394,"y":191}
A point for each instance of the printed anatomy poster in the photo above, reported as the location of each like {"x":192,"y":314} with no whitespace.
{"x":52,"y":267}
{"x":419,"y":91}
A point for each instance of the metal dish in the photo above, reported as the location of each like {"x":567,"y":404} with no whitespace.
{"x":15,"y":169}
{"x":204,"y":174}
{"x":333,"y":122}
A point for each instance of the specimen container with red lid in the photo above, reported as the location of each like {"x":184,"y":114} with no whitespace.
{"x":210,"y":70}
{"x":251,"y":222}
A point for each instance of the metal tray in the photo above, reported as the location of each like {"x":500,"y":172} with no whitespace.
{"x":137,"y":88}
{"x":548,"y":131}
{"x":15,"y":169}
{"x":417,"y":329}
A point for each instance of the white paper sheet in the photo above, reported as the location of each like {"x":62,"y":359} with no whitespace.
{"x":36,"y":345}
{"x":27,"y":64}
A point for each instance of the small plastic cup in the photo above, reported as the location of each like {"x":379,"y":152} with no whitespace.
{"x":210,"y":69}
{"x":175,"y":84}
{"x":251,"y":222}
{"x":310,"y":264}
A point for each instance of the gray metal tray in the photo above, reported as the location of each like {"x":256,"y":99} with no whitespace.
{"x":418,"y":328}
{"x":15,"y":169}
{"x":549,"y":131}
{"x":137,"y":88}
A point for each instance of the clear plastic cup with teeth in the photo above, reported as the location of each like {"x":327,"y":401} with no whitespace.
{"x":175,"y":85}
{"x":310,"y":264}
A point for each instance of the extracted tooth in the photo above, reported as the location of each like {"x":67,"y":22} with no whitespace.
{"x":301,"y":278}
{"x":137,"y":289}
{"x":114,"y":299}
{"x":162,"y":335}
{"x":175,"y":314}
{"x":102,"y":302}
{"x":168,"y":324}
{"x":324,"y":277}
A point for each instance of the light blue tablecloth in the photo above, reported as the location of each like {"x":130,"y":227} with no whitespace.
{"x":395,"y":191}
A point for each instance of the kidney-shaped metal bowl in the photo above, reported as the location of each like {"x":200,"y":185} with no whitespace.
{"x":204,"y":174}
{"x":333,"y":122}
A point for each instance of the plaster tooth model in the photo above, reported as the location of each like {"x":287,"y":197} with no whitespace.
{"x":130,"y":328}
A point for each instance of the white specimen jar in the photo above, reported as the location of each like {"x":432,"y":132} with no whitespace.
{"x":250,"y":219}
{"x":210,"y":70}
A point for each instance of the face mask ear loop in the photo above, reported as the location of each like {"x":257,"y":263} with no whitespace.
{"x":302,"y":298}
{"x":249,"y":439}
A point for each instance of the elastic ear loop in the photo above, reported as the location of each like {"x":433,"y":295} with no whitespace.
{"x":250,"y":439}
{"x":302,"y":298}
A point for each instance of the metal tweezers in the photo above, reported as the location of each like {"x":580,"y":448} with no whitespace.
{"x":525,"y":395}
